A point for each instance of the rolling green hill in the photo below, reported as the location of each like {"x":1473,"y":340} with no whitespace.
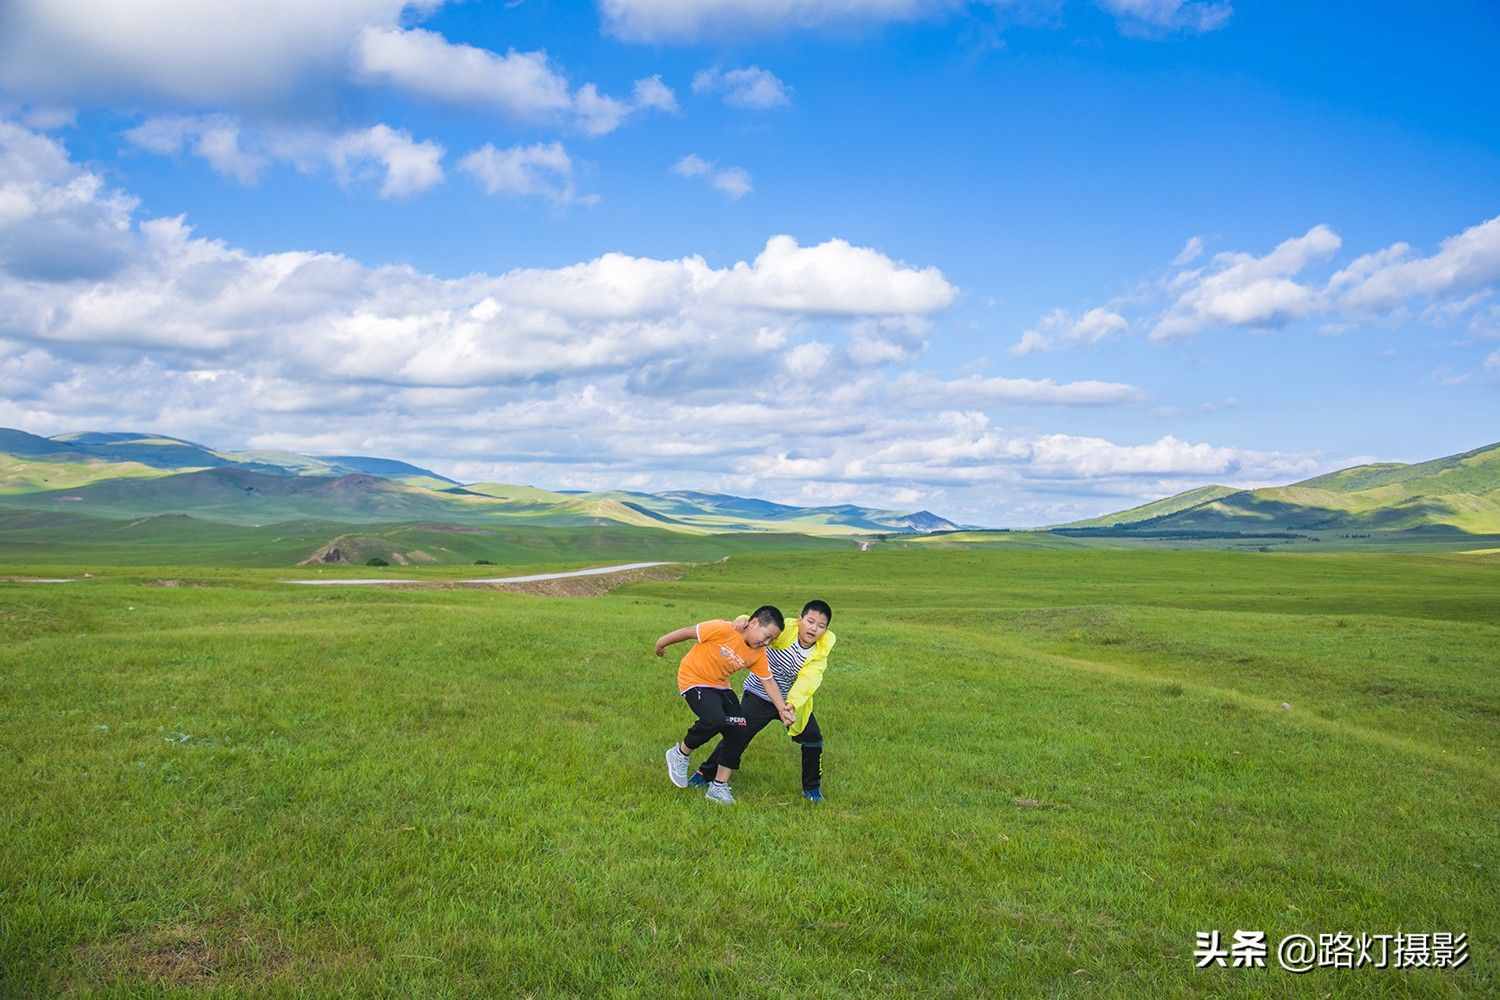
{"x":1456,"y":494}
{"x":1156,"y":508}
{"x":129,"y":475}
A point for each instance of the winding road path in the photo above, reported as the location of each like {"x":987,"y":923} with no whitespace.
{"x":537,"y":578}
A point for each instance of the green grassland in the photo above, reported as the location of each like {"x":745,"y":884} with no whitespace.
{"x":48,"y":539}
{"x":1046,"y":769}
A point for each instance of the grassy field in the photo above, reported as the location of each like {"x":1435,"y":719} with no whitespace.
{"x":1046,"y":770}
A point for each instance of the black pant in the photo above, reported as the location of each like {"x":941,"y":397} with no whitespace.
{"x":718,"y":711}
{"x":758,"y":713}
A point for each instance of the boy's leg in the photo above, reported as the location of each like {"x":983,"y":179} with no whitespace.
{"x":757,"y":712}
{"x":811,"y":740}
{"x":711,"y":766}
{"x":710,"y":706}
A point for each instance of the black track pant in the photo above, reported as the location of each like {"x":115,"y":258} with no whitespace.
{"x":718,"y":711}
{"x":758,"y":713}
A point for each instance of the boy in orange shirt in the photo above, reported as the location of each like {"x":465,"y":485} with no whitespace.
{"x":721,"y":649}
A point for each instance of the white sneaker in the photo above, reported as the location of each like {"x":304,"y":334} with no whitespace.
{"x":678,"y":766}
{"x":719,"y":792}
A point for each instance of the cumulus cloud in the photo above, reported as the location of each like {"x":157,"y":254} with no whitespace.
{"x":747,"y":87}
{"x":402,"y":165}
{"x":542,"y":169}
{"x":1059,"y":328}
{"x":975,"y":390}
{"x":1390,"y":277}
{"x":1152,"y":17}
{"x":214,"y":138}
{"x":406,"y":167}
{"x":733,"y":182}
{"x":172,"y":290}
{"x":650,"y":92}
{"x":57,"y":223}
{"x":522,"y":85}
{"x":1238,"y":289}
{"x":1069,"y":456}
{"x":179,"y":52}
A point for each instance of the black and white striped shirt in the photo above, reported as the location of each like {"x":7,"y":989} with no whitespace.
{"x":784,"y":664}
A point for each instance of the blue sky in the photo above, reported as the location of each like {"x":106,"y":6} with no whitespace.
{"x":1015,"y":262}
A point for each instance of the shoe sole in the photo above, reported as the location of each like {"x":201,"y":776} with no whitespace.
{"x":670,"y":776}
{"x":718,"y":802}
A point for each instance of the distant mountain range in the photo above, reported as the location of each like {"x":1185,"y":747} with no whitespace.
{"x":131,"y":475}
{"x":1459,"y":493}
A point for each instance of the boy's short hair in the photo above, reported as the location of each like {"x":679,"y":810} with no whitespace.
{"x":769,"y":614}
{"x":819,"y":606}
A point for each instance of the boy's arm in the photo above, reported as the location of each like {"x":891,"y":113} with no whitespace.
{"x":782,"y":708}
{"x":807,"y":682}
{"x":811,"y":675}
{"x":681,"y":635}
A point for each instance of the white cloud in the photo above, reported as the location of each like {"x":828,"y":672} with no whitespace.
{"x":747,"y":87}
{"x":541,"y":169}
{"x":1450,"y":288}
{"x":975,"y":390}
{"x":408,"y":167}
{"x":1068,"y":456}
{"x":1387,"y":278}
{"x":1242,"y":290}
{"x":692,"y":165}
{"x":1191,"y":251}
{"x":171,"y":290}
{"x":1153,"y":16}
{"x":888,"y":340}
{"x":179,"y":51}
{"x":402,"y":165}
{"x":50,"y":118}
{"x":1493,"y":361}
{"x":652,"y":93}
{"x":807,"y":361}
{"x":1059,"y":328}
{"x":734,"y":182}
{"x":214,"y":138}
{"x":520,"y":84}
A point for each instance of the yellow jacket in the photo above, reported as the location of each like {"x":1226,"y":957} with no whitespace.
{"x":800,"y":697}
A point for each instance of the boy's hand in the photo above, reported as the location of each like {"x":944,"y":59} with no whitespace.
{"x":788,"y":715}
{"x":661,"y":648}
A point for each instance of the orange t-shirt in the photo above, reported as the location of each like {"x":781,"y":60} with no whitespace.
{"x":719,"y":652}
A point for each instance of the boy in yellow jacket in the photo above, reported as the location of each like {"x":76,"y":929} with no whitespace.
{"x":797,"y":658}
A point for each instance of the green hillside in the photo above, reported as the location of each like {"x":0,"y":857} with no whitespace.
{"x":29,"y":474}
{"x":1156,"y":508}
{"x":1458,"y":494}
{"x":130,"y":475}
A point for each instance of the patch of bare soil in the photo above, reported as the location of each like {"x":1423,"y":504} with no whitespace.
{"x":183,"y":954}
{"x":587,"y":586}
